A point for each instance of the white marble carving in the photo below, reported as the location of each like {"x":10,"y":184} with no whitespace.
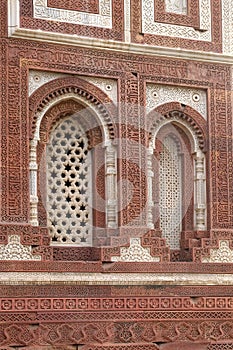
{"x":200,"y":192}
{"x":223,"y":254}
{"x":102,"y":20}
{"x":176,"y":6}
{"x":38,"y":78}
{"x":90,"y":278}
{"x":111,"y":181}
{"x":151,"y":27}
{"x":33,"y":183}
{"x":135,"y":253}
{"x":157,"y":95}
{"x":150,"y":176}
{"x":127,"y":20}
{"x":109,"y":86}
{"x":14,"y":250}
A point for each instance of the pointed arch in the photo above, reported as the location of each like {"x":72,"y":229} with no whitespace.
{"x":178,"y":143}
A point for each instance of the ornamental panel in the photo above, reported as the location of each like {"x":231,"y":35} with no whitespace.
{"x":182,"y":12}
{"x":160,"y":94}
{"x":101,"y":19}
{"x":199,"y":29}
{"x":105,"y":20}
{"x":179,"y":31}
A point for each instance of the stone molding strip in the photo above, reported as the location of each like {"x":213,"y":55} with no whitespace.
{"x":52,"y":278}
{"x":74,"y":40}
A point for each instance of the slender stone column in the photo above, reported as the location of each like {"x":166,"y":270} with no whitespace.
{"x":200,"y":193}
{"x":150,"y":175}
{"x":111,"y":192}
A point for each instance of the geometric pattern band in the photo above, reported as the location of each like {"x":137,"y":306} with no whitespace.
{"x":117,"y":304}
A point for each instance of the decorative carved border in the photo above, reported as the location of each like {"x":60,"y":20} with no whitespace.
{"x":103,"y":19}
{"x":191,"y":293}
{"x":116,"y":33}
{"x":3,"y":19}
{"x":192,"y":18}
{"x":109,"y":303}
{"x":106,"y":330}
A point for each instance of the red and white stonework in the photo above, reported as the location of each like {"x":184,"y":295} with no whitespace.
{"x":116,"y":202}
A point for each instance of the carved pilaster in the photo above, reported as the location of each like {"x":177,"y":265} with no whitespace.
{"x":200,"y":195}
{"x":111,"y":173}
{"x":150,"y":175}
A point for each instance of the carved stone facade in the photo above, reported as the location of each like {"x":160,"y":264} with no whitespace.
{"x":116,"y":214}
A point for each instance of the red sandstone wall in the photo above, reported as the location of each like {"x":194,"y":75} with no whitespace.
{"x":108,"y":317}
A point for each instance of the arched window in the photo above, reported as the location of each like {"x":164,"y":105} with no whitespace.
{"x":69,"y":184}
{"x":73,"y":173}
{"x":176,"y":180}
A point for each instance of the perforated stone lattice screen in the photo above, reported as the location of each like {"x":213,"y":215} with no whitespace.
{"x":68,"y":189}
{"x":170,"y":183}
{"x":176,"y":6}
